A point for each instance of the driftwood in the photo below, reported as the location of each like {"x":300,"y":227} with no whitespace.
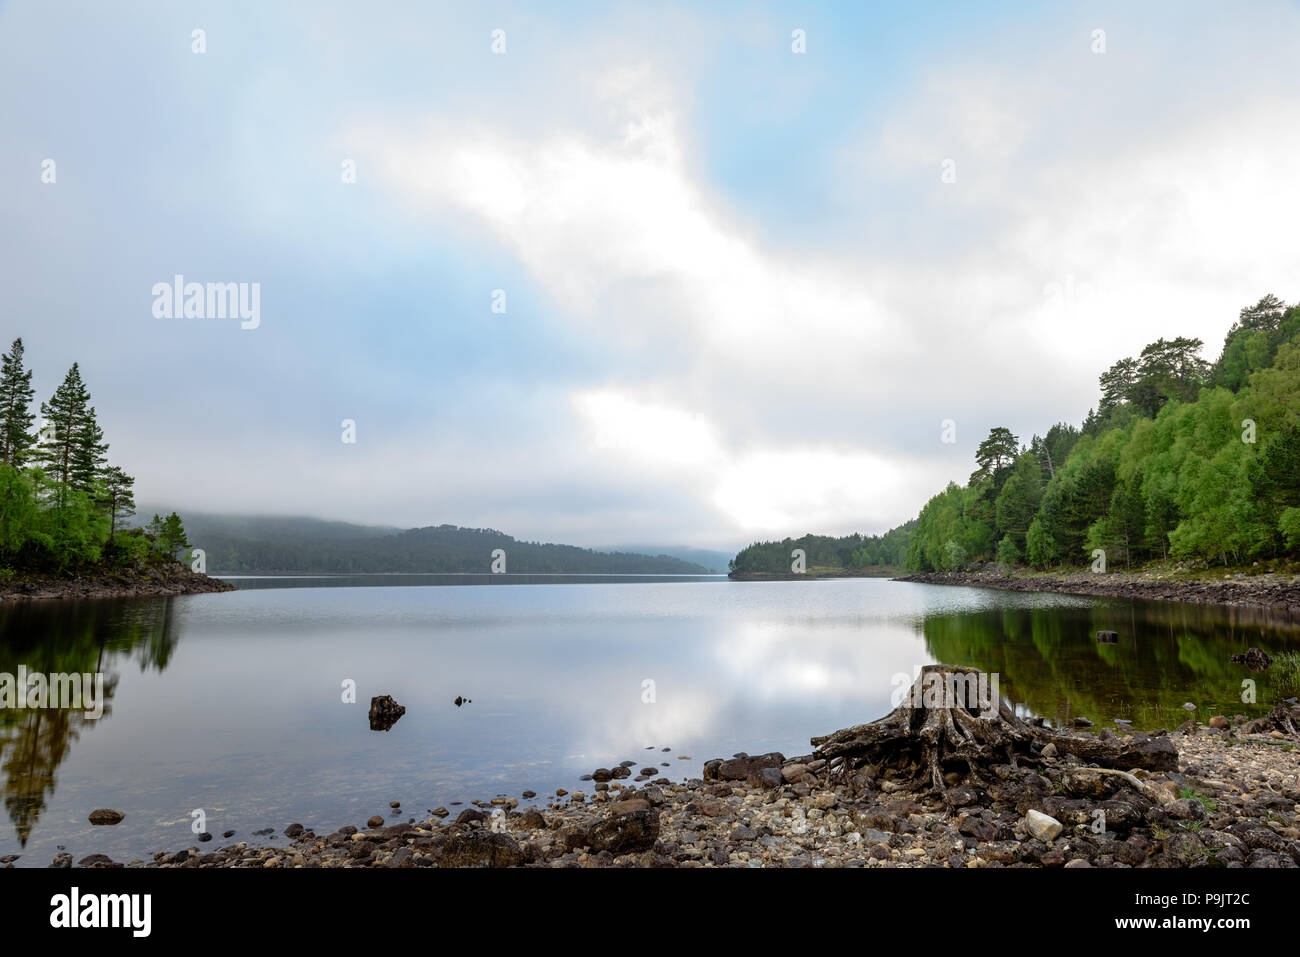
{"x":953,"y":727}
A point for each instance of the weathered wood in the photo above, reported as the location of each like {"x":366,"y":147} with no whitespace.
{"x":939,"y":732}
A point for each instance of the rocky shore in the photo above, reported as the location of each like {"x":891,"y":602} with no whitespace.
{"x":1276,"y":592}
{"x":156,"y":582}
{"x":1220,"y":795}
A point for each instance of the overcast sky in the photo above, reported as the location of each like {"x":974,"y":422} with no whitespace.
{"x":740,"y":297}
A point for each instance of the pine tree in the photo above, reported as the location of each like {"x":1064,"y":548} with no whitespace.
{"x":16,"y":436}
{"x":88,"y":452}
{"x":74,"y":452}
{"x":118,"y":498}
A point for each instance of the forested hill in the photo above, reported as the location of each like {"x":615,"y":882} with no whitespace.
{"x":1181,"y":458}
{"x":826,"y":554}
{"x":253,"y":544}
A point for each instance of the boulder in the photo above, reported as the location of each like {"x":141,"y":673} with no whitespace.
{"x":384,"y":712}
{"x":625,"y":832}
{"x":1042,"y":826}
{"x":480,"y":849}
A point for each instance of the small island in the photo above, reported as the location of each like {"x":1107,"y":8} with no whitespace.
{"x":64,"y":509}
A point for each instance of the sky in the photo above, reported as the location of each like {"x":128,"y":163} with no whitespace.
{"x":627,"y":271}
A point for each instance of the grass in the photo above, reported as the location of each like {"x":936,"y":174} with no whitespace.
{"x":1285,"y":670}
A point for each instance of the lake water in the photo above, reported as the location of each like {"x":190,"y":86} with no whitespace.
{"x":232,"y":703}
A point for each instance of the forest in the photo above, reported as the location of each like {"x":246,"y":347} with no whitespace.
{"x":1181,"y":459}
{"x":64,"y":509}
{"x":825,"y":553}
{"x":252,"y":544}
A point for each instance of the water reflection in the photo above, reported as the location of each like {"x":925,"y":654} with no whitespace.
{"x":1166,"y":655}
{"x":67,"y":638}
{"x":244,"y":717}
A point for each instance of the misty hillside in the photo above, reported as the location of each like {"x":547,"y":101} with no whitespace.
{"x":262,"y":544}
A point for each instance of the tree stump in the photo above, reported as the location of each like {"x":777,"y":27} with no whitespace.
{"x":954,"y":723}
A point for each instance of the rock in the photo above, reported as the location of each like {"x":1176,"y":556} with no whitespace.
{"x":480,"y":849}
{"x":468,"y":816}
{"x":106,"y":815}
{"x":440,"y":812}
{"x":1188,"y":706}
{"x":1088,"y":783}
{"x":1050,"y":751}
{"x":205,"y":837}
{"x":375,"y":821}
{"x":384,"y":712}
{"x":793,"y":772}
{"x":529,"y":794}
{"x":1082,"y":722}
{"x":532,"y":819}
{"x":293,"y":830}
{"x":1041,"y":826}
{"x":744,"y":768}
{"x":1151,"y":754}
{"x":1219,"y":721}
{"x":769,"y":778}
{"x":1186,"y":809}
{"x":93,"y":859}
{"x":1078,"y":862}
{"x":395,"y":804}
{"x":625,"y":832}
{"x":61,"y":861}
{"x":1107,"y":637}
{"x":601,"y":774}
{"x":1254,"y":659}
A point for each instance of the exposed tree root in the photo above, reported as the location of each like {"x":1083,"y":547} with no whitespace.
{"x":953,"y":727}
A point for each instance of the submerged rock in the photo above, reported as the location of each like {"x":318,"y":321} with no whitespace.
{"x":106,"y":815}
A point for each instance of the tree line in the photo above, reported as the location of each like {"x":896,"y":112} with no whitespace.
{"x":826,"y":552}
{"x":63,"y":508}
{"x":1181,"y":458}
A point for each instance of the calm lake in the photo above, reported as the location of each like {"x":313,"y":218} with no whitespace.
{"x":232,"y":703}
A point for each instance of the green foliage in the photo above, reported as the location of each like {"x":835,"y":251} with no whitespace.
{"x":1008,"y":553}
{"x":16,"y":417}
{"x":1180,"y":459}
{"x":954,"y":556}
{"x":1040,"y":548}
{"x":827,"y":552}
{"x":60,"y":502}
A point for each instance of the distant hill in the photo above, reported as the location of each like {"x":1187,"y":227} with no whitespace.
{"x":251,"y":544}
{"x":714,"y":561}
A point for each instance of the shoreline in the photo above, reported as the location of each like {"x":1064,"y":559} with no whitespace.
{"x":1273,"y":592}
{"x":1222,"y":795}
{"x":157,"y":583}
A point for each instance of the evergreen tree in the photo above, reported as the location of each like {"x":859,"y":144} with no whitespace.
{"x":118,"y":498}
{"x":75,"y":452}
{"x":16,"y":436}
